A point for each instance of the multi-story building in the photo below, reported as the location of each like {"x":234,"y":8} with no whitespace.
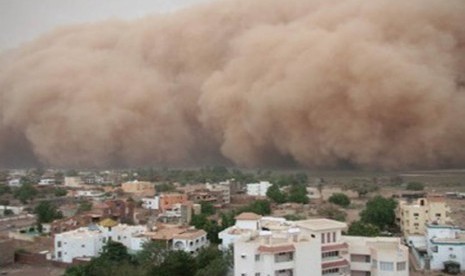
{"x":413,"y":216}
{"x":275,"y":246}
{"x":168,"y":199}
{"x":224,"y":191}
{"x":258,"y":189}
{"x":89,"y":241}
{"x":377,"y":256}
{"x":151,"y":203}
{"x":139,"y":188}
{"x":445,"y":246}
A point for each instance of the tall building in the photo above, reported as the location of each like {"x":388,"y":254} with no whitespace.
{"x":274,"y":246}
{"x":413,"y":216}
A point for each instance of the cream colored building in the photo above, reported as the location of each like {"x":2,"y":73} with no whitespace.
{"x":139,"y":187}
{"x":414,"y":216}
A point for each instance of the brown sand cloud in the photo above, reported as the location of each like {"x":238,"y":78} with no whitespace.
{"x":322,"y":83}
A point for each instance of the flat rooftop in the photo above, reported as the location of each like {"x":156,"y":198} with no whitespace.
{"x":321,"y":224}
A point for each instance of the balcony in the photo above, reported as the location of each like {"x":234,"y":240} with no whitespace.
{"x":334,"y":263}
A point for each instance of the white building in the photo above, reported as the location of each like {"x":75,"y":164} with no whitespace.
{"x":377,"y":256}
{"x":15,"y":209}
{"x":16,"y":182}
{"x":445,"y":244}
{"x":274,"y":246}
{"x":177,"y":237}
{"x":46,"y":182}
{"x":89,"y":193}
{"x":151,"y":203}
{"x":258,"y":189}
{"x":89,"y":241}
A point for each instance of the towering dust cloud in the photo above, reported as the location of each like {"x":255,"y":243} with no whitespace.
{"x":375,"y":84}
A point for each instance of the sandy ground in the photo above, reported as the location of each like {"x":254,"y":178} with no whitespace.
{"x":26,"y":270}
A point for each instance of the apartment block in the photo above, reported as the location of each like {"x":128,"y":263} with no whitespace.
{"x":413,"y":216}
{"x":275,"y":246}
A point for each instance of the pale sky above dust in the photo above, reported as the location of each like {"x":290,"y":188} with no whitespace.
{"x":23,"y":20}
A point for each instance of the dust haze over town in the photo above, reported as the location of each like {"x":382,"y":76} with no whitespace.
{"x":312,"y":84}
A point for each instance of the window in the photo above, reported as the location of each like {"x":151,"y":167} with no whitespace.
{"x":257,"y":257}
{"x":257,"y":274}
{"x":434,"y":248}
{"x":359,"y":258}
{"x":416,"y":214}
{"x":416,"y":224}
{"x":438,"y":215}
{"x":374,"y":264}
{"x":328,"y":237}
{"x":334,"y":236}
{"x":330,"y":254}
{"x":401,"y":266}
{"x":330,"y":271}
{"x":322,"y":237}
{"x":386,"y":266}
{"x":59,"y":244}
{"x":83,"y":245}
{"x":59,"y":254}
{"x":119,"y":238}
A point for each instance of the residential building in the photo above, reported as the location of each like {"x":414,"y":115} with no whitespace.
{"x":89,"y":241}
{"x":258,"y":189}
{"x":46,"y":182}
{"x":384,"y":256}
{"x":224,"y":191}
{"x":445,"y":245}
{"x":89,"y":193}
{"x":413,"y":216}
{"x":178,"y":237}
{"x":168,"y":199}
{"x":15,"y":182}
{"x":151,"y":203}
{"x":275,"y":246}
{"x":139,"y":188}
{"x":73,"y":182}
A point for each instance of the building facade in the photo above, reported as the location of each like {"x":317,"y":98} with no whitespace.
{"x":413,"y":216}
{"x":89,"y":241}
{"x":275,"y":246}
{"x":258,"y":189}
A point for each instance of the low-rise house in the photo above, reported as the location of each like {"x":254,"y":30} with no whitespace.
{"x":178,"y":237}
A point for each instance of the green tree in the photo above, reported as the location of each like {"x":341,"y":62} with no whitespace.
{"x":115,"y":251}
{"x":178,"y":262}
{"x":275,"y":194}
{"x":415,"y":186}
{"x":84,"y":206}
{"x":298,"y":194}
{"x":60,"y":192}
{"x":152,"y":253}
{"x":340,"y":199}
{"x":7,"y":212}
{"x":379,"y":211}
{"x":47,"y":212}
{"x":261,"y":207}
{"x":4,"y":189}
{"x":358,"y":228}
{"x":25,"y":193}
{"x":207,"y":208}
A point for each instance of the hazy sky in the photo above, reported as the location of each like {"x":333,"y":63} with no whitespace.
{"x":23,"y":20}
